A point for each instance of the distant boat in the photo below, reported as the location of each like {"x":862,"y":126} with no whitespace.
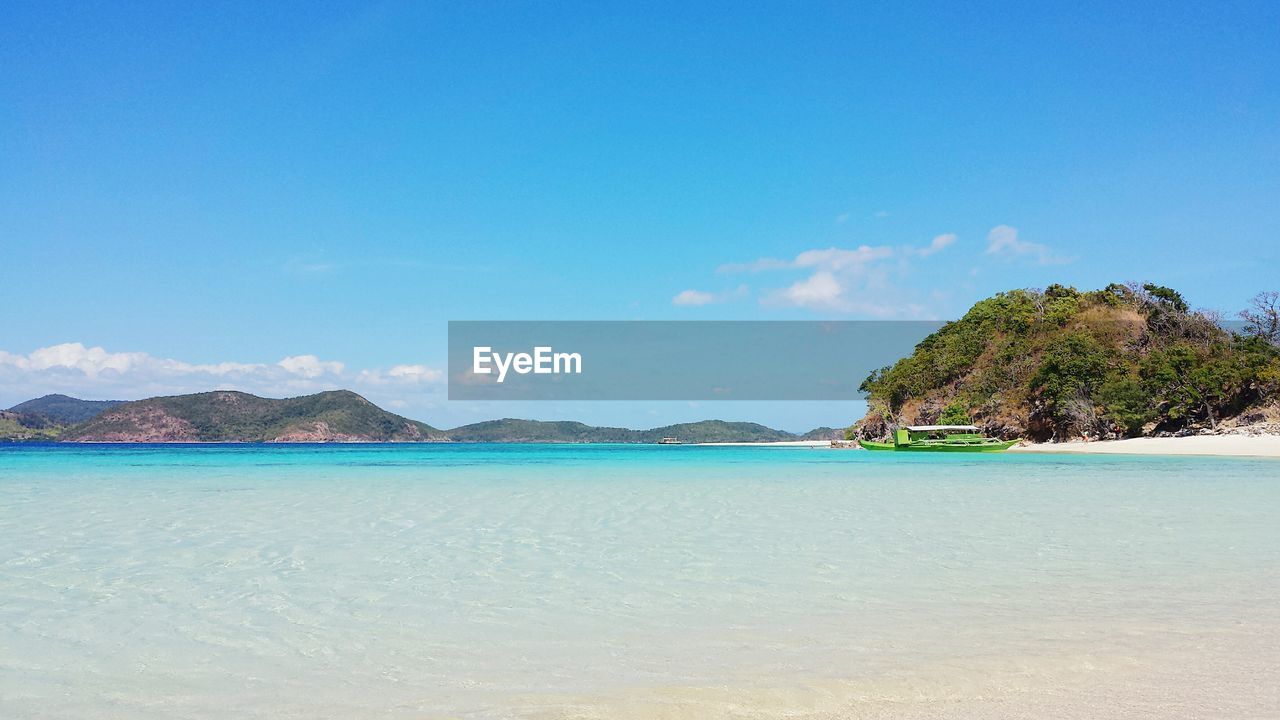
{"x":669,"y":441}
{"x":940,"y":438}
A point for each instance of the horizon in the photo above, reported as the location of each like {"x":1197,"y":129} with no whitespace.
{"x":436,"y":426}
{"x":284,"y":202}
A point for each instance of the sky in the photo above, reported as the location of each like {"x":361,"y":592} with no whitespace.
{"x":286,"y":197}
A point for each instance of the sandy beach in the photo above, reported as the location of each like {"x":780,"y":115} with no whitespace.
{"x":1237,"y":445}
{"x":1225,"y":445}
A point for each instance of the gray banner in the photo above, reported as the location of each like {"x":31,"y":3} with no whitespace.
{"x":672,"y":360}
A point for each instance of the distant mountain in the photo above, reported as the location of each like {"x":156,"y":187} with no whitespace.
{"x":227,"y":416}
{"x":63,"y":410}
{"x":512,"y":430}
{"x":335,"y":416}
{"x":716,"y":431}
{"x":45,"y":418}
{"x":824,"y":433}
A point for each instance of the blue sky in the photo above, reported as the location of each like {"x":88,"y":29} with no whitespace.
{"x":233,"y":185}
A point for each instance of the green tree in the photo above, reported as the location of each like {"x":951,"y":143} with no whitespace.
{"x":1073,"y":366}
{"x":1127,"y":403}
{"x":955,"y":413}
{"x":1167,"y":298}
{"x":1192,"y":381}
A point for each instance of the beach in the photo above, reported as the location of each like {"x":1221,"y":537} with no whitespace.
{"x":1191,"y":445}
{"x":1223,"y":445}
{"x":633,"y":581}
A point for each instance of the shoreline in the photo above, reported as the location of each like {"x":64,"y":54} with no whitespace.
{"x":1267,"y":446}
{"x":1222,"y":445}
{"x":1264,"y":446}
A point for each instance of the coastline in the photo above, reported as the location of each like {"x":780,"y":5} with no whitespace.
{"x":1224,"y":445}
{"x":1267,"y":446}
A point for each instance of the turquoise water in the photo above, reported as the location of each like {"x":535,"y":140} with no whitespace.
{"x":632,"y":581}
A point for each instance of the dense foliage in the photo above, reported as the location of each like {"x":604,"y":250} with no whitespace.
{"x":1058,"y":363}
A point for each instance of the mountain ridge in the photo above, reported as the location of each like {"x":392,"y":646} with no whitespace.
{"x":331,"y":416}
{"x":59,"y":409}
{"x":232,"y":416}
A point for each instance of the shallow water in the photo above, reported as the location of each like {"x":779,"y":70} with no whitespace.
{"x":632,"y":581}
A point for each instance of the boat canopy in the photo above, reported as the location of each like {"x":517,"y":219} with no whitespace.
{"x":934,"y":428}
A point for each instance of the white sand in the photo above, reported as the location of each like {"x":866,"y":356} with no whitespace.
{"x":1241,"y":445}
{"x":1238,"y":445}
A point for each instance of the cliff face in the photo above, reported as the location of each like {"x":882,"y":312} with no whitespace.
{"x":1059,"y":363}
{"x":226,"y":416}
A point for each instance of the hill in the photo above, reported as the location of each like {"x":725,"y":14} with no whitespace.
{"x":15,"y":427}
{"x":512,"y":430}
{"x":63,"y":410}
{"x":823,"y":433}
{"x":715,"y":431}
{"x":536,"y":431}
{"x":1057,"y":364}
{"x":337,"y":416}
{"x":228,"y":416}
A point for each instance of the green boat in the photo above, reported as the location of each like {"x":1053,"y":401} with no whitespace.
{"x":940,"y":438}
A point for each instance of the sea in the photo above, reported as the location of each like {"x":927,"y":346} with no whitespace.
{"x":633,"y":581}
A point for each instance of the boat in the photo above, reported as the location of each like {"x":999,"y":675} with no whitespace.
{"x":669,"y":441}
{"x":940,"y":438}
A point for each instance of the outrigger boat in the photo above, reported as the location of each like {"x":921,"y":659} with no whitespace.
{"x":940,"y":438}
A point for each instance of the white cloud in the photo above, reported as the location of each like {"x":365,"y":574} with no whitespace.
{"x":415,"y":373}
{"x":90,"y":361}
{"x":832,"y":258}
{"x":94,"y":372}
{"x":820,"y":290}
{"x":697,"y":298}
{"x":401,"y":375}
{"x":839,"y":259}
{"x":938,"y":244}
{"x":842,"y":218}
{"x":1003,"y":241}
{"x":693,"y":298}
{"x":96,"y":361}
{"x":310,"y":366}
{"x":846,"y":280}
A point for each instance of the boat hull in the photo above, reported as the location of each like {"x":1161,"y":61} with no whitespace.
{"x":939,"y":447}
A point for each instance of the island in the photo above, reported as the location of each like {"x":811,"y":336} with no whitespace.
{"x":1058,"y":365}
